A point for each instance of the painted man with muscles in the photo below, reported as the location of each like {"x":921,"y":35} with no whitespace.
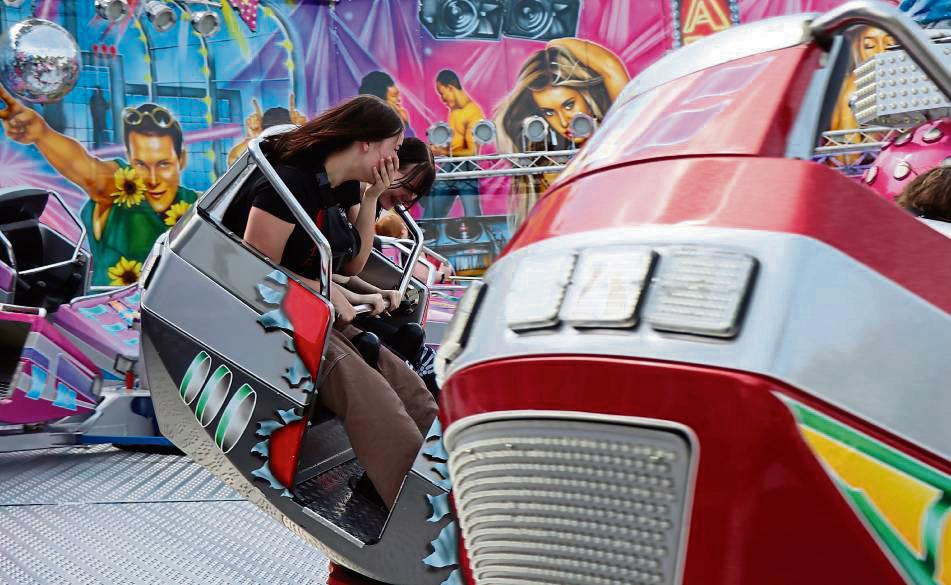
{"x":131,"y":201}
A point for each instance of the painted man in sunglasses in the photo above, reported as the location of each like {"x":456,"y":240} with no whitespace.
{"x":131,"y":202}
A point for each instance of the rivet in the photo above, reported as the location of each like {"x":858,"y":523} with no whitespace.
{"x":902,"y":170}
{"x":932,"y":135}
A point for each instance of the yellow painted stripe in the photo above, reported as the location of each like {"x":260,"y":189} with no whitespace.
{"x":901,"y":499}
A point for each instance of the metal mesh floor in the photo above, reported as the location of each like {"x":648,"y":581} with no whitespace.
{"x":101,"y":515}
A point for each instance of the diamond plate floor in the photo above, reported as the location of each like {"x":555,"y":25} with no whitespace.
{"x":101,"y":515}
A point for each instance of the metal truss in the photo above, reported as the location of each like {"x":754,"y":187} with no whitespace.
{"x":502,"y":165}
{"x":851,"y":151}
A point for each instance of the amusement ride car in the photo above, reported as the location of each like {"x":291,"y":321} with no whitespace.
{"x":703,"y":358}
{"x":69,"y":368}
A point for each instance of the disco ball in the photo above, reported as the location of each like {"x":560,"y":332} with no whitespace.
{"x":908,"y":154}
{"x":39,"y":60}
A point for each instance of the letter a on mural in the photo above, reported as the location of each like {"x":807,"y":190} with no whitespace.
{"x":695,"y":19}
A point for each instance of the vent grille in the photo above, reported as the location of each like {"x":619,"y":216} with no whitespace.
{"x":566,"y":501}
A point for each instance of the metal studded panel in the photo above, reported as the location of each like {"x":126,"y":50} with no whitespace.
{"x":564,"y":501}
{"x":99,"y":515}
{"x":891,"y":90}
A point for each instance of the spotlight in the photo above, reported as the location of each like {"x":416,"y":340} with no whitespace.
{"x":581,"y":125}
{"x":541,"y":20}
{"x":14,"y":3}
{"x":534,"y":129}
{"x":112,"y":10}
{"x":160,"y":15}
{"x":462,"y":19}
{"x":440,"y":135}
{"x":483,"y":132}
{"x":206,"y":22}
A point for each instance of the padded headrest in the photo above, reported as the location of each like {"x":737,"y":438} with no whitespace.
{"x":21,"y":203}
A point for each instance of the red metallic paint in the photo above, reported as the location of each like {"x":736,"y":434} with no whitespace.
{"x":764,"y":511}
{"x":310,"y":316}
{"x":777,"y":195}
{"x":629,"y":176}
{"x":742,"y":107}
{"x":284,"y":451}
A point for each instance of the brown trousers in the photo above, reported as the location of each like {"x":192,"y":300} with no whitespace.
{"x":385,"y":412}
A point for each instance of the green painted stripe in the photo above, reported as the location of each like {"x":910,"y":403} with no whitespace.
{"x":934,"y":523}
{"x":233,"y":405}
{"x":192,"y":368}
{"x":869,"y":446}
{"x":913,"y":566}
{"x":208,"y":390}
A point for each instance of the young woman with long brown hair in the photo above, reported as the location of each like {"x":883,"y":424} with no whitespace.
{"x":386,"y":410}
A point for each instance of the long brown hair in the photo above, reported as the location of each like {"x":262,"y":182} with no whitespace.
{"x":550,"y":67}
{"x":929,"y":195}
{"x":364,"y":118}
{"x":418,"y":167}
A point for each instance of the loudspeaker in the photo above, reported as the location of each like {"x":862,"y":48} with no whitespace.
{"x":462,"y":19}
{"x":541,"y":20}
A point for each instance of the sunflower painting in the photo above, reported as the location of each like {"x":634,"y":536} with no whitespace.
{"x":130,"y":188}
{"x":124,"y":272}
{"x":175,"y":212}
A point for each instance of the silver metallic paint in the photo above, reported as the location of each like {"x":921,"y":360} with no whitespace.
{"x":818,"y":320}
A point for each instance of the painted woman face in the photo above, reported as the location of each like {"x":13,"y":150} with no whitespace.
{"x":558,"y":105}
{"x":873,"y":42}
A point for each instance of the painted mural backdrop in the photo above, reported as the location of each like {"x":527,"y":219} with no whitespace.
{"x":157,"y":115}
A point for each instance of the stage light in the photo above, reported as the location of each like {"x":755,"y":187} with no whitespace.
{"x":160,"y":15}
{"x":112,"y":10}
{"x":483,"y":132}
{"x":582,"y":125}
{"x":534,"y":129}
{"x":206,"y":22}
{"x":14,"y":3}
{"x":462,"y":19}
{"x":542,"y":20}
{"x":440,"y":134}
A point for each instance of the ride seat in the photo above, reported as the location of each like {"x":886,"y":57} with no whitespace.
{"x":35,"y":246}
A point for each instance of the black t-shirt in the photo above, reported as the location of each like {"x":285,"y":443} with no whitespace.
{"x":327,"y":206}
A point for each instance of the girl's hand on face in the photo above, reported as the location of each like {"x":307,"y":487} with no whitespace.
{"x":383,"y":174}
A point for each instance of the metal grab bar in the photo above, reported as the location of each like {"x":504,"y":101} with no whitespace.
{"x":323,"y":246}
{"x":402,"y":246}
{"x":416,"y":233}
{"x":906,"y":32}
